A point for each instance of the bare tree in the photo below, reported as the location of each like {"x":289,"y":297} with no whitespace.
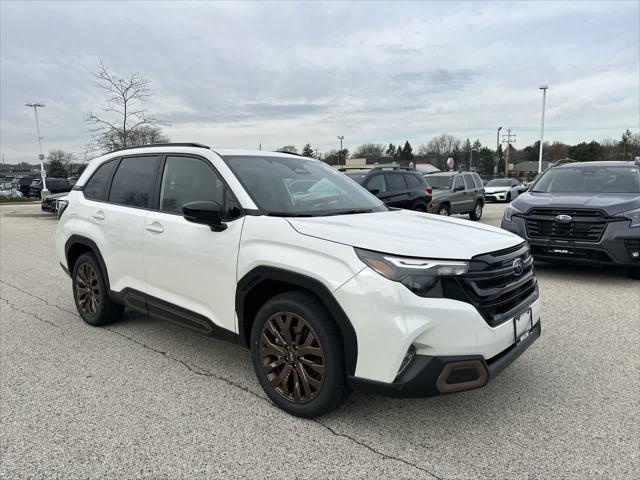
{"x":369,"y":150}
{"x":123,"y":120}
{"x":288,"y":148}
{"x":443,"y":145}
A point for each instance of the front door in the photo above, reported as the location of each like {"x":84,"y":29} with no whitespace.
{"x":187,"y":264}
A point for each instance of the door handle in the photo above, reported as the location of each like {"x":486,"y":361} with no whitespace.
{"x":154,"y":227}
{"x":99,"y":215}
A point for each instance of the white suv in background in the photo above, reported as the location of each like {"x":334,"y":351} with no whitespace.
{"x":330,"y":289}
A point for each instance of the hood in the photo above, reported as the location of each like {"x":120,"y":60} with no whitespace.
{"x":53,"y":196}
{"x":610,"y":203}
{"x":438,"y":192}
{"x":408,"y":233}
{"x":496,"y":189}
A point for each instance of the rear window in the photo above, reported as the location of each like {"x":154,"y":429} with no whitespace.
{"x":134,"y":181}
{"x":439,"y":182}
{"x":477,"y":180}
{"x":468,"y":180}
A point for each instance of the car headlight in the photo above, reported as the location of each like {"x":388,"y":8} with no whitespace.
{"x":633,"y":215}
{"x":420,"y":275}
{"x":509,"y":212}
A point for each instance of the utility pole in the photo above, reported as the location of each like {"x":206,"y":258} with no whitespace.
{"x":508,"y":139}
{"x":340,"y":137}
{"x":43,"y":174}
{"x":495,"y":168}
{"x":544,"y":101}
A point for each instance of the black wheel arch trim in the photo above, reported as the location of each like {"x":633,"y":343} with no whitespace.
{"x":87,"y":242}
{"x":256,"y":276}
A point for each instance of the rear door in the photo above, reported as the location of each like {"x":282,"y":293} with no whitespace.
{"x":187,"y":264}
{"x":397,"y":194}
{"x":470,"y":193}
{"x":119,"y":221}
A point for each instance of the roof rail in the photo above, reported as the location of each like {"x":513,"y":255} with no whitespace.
{"x":290,"y":153}
{"x":377,"y":167}
{"x":151,"y":145}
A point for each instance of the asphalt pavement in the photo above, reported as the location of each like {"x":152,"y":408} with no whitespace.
{"x":146,"y":399}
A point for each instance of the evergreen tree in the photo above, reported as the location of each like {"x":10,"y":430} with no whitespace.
{"x":307,"y":151}
{"x":407,"y":152}
{"x":391,"y":150}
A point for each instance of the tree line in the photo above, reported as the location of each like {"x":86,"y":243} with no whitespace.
{"x":473,"y":155}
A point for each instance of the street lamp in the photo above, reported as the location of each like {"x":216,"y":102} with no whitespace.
{"x":495,"y":168}
{"x":43,"y":175}
{"x":340,"y":137}
{"x":544,"y":101}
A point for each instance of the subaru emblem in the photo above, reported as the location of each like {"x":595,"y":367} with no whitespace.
{"x":518,"y":267}
{"x":564,"y":219}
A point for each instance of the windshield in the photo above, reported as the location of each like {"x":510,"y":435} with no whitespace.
{"x":296,"y":186}
{"x":499,"y":182}
{"x":439,"y":182}
{"x":592,"y":180}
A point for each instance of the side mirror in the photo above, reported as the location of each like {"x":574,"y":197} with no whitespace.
{"x":206,"y":213}
{"x":458,"y":188}
{"x":375,"y":191}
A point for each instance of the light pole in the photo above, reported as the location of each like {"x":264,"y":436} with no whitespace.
{"x":544,"y":101}
{"x":340,"y":137}
{"x":495,"y":168}
{"x":43,"y":175}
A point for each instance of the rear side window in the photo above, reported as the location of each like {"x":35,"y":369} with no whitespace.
{"x":97,"y":188}
{"x":134,"y":180}
{"x":395,"y":182}
{"x":468,"y":180}
{"x":412,"y":180}
{"x":477,"y":180}
{"x":187,"y":179}
{"x":377,"y":183}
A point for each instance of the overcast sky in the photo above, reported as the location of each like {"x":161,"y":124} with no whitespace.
{"x":237,"y":74}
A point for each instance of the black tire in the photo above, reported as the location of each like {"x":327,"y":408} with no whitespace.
{"x":333,"y":389}
{"x":476,"y":213}
{"x":420,"y":207}
{"x":91,"y":294}
{"x":444,"y":210}
{"x":634,"y":272}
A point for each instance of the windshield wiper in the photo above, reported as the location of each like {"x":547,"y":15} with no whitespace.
{"x":352,"y":212}
{"x":289,"y":214}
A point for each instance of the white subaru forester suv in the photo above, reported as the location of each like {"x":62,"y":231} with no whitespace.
{"x":330,"y":289}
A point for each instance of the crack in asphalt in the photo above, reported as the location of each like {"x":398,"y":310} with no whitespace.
{"x":34,"y":315}
{"x":204,"y":372}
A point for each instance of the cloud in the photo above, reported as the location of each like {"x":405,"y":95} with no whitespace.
{"x":289,"y":73}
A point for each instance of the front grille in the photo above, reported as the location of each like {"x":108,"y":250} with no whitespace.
{"x":586,"y":225}
{"x":495,"y":289}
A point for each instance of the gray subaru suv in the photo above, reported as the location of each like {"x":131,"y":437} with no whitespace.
{"x":582,"y":212}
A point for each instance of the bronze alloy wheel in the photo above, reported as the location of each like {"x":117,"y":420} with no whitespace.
{"x":87,"y":289}
{"x":292,"y":357}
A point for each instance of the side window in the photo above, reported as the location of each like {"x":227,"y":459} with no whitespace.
{"x":133,"y":182}
{"x":468,"y":181}
{"x":477,"y":180}
{"x":97,"y":188}
{"x":188,"y":179}
{"x":412,"y":180}
{"x":395,"y":182}
{"x":458,"y":182}
{"x":377,"y":183}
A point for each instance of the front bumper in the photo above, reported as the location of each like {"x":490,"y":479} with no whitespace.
{"x":496,"y":197}
{"x":428,"y":376}
{"x":389,"y":319}
{"x":619,"y":245}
